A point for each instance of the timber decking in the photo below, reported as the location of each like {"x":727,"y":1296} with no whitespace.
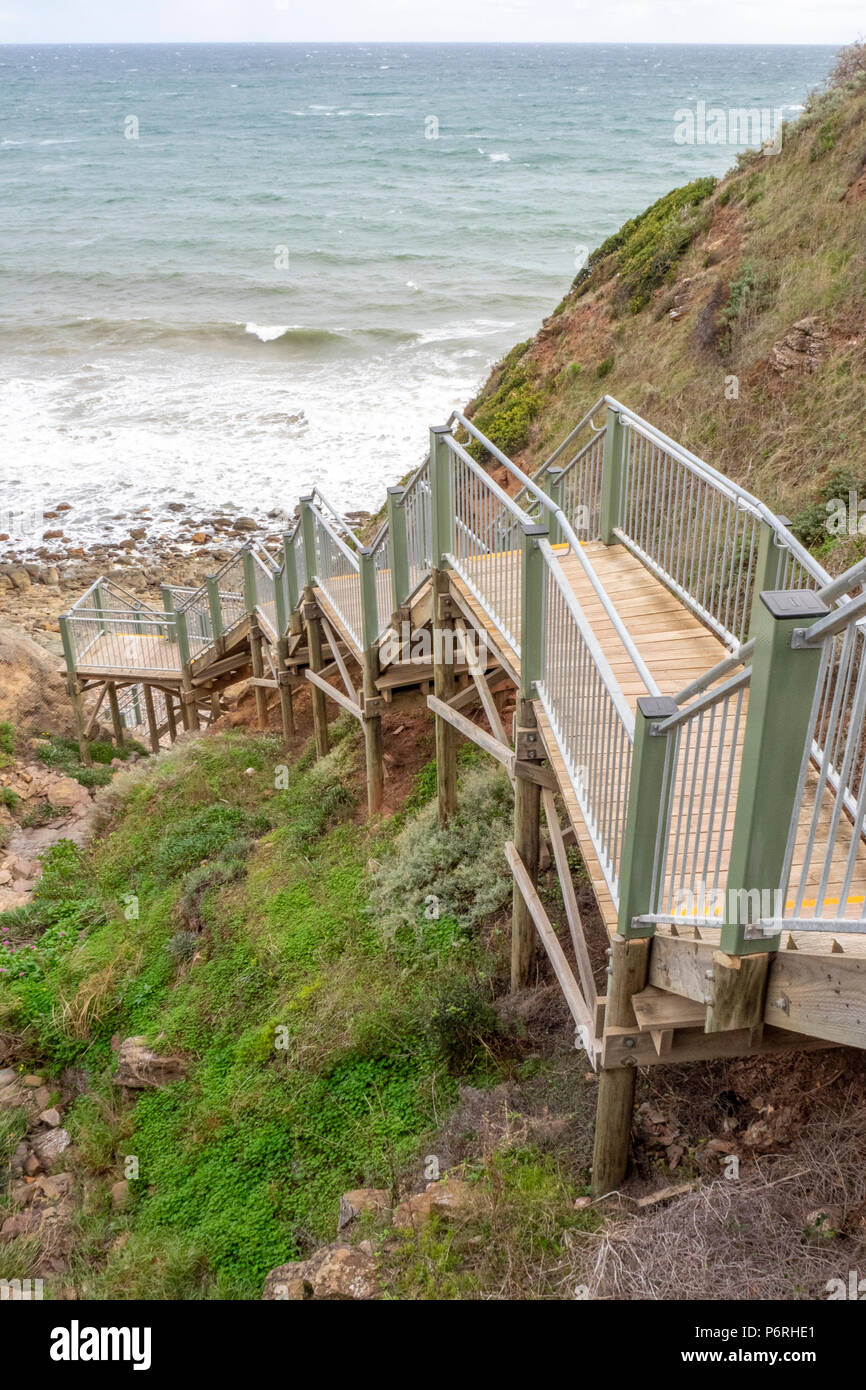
{"x":677,"y":649}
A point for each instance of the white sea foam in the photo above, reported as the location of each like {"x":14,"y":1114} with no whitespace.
{"x":267,"y":333}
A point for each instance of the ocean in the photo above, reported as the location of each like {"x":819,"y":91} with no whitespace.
{"x":228,"y":272}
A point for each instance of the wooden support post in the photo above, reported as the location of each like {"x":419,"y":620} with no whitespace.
{"x":613,"y":470}
{"x":373,"y":749}
{"x":258,"y":666}
{"x":317,"y":697}
{"x":777,"y":724}
{"x":169,"y":716}
{"x":215,"y":709}
{"x":629,"y":962}
{"x":527,"y":794}
{"x":152,"y":726}
{"x":116,"y":721}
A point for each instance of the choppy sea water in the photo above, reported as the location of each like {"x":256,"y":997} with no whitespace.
{"x":228,"y":272}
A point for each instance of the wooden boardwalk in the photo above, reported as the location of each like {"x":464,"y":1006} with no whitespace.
{"x":677,"y":649}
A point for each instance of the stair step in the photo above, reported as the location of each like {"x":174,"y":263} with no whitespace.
{"x":657,"y":1009}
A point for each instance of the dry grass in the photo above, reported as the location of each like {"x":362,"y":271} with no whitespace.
{"x":751,"y":1239}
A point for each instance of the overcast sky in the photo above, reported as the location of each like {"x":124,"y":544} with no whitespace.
{"x":294,"y":21}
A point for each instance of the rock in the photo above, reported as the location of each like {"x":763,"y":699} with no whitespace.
{"x":21,"y":1225}
{"x":20,"y":579}
{"x":361,"y":1199}
{"x":244,"y":523}
{"x":7,"y":1076}
{"x":33,"y":1081}
{"x":802,"y":349}
{"x":50,"y":1148}
{"x":50,"y":1117}
{"x":335,"y":1272}
{"x":199,"y":538}
{"x":55,"y":1187}
{"x":139,"y":1068}
{"x":66,"y":793}
{"x":119,"y":1194}
{"x":32,"y":691}
{"x":31,"y":1165}
{"x":444,"y":1199}
{"x":138,"y":533}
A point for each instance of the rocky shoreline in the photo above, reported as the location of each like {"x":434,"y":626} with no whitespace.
{"x":42,"y":576}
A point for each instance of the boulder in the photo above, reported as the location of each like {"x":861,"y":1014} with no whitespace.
{"x":140,"y":1068}
{"x":802,"y":349}
{"x":361,"y":1199}
{"x":50,"y":1147}
{"x":66,"y":793}
{"x":32,"y":690}
{"x":335,"y":1272}
{"x":445,"y":1199}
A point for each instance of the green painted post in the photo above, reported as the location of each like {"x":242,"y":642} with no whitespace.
{"x":369,"y":605}
{"x":280,"y":612}
{"x":68,"y":644}
{"x":533,"y":579}
{"x":214,"y":605}
{"x":168,"y":605}
{"x":290,"y":568}
{"x":182,"y":637}
{"x":308,"y":530}
{"x":99,"y":602}
{"x":615,"y":442}
{"x":250,"y":592}
{"x":647,"y":798}
{"x":769,"y":568}
{"x":399,"y":547}
{"x":781,"y":692}
{"x":552,"y":484}
{"x":441,"y":499}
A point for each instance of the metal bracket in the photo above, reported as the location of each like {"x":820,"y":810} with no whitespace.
{"x":527,"y":745}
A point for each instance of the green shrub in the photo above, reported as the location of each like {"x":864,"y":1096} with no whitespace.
{"x":9,"y":798}
{"x":463,"y":1022}
{"x":7,"y":737}
{"x":457,"y":871}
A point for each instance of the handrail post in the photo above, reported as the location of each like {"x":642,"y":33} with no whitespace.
{"x":308,"y":531}
{"x":372,"y":702}
{"x":533,"y":575}
{"x":781,"y":694}
{"x":769,"y":567}
{"x":74,"y":689}
{"x":284,"y":679}
{"x":648,"y":795}
{"x":214,"y":605}
{"x":552,"y":485}
{"x":250,"y":592}
{"x":99,"y":601}
{"x":442,"y":502}
{"x":613,"y":472}
{"x":399,"y":547}
{"x":168,"y":607}
{"x":527,"y":794}
{"x":187,"y":699}
{"x":290,"y":567}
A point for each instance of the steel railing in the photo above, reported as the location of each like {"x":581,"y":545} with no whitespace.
{"x":336,"y":570}
{"x":267,"y":577}
{"x":416,"y":502}
{"x":590,"y":718}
